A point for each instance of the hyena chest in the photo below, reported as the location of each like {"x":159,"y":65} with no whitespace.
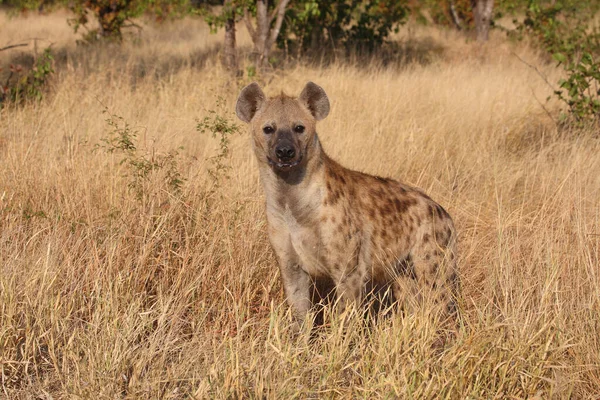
{"x":306,"y":243}
{"x":320,"y":250}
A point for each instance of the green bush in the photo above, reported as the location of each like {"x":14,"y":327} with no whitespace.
{"x":22,"y":84}
{"x":353,"y":24}
{"x":141,"y":167}
{"x":580,"y":90}
{"x":220,"y":125}
{"x":565,"y":31}
{"x":112,"y":17}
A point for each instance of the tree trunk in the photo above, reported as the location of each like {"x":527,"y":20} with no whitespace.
{"x":482,"y":13}
{"x":263,"y":24}
{"x":264,"y":36}
{"x":229,"y":56}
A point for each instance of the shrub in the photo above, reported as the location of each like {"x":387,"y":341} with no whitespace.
{"x":23,"y":84}
{"x":141,"y":167}
{"x":564,"y":30}
{"x":222,"y":127}
{"x":580,"y":90}
{"x":354,"y":24}
{"x":112,"y":17}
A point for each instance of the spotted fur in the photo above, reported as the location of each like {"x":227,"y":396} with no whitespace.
{"x":342,"y":233}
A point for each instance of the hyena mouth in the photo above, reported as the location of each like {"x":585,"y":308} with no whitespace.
{"x":284,"y":165}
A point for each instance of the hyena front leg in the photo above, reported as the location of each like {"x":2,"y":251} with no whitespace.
{"x":297,"y":287}
{"x":296,"y":282}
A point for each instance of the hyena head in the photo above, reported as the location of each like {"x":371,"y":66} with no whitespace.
{"x":283,"y":128}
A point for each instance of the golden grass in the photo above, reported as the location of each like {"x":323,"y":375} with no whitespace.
{"x":105,"y":294}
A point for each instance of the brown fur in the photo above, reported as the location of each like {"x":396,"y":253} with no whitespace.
{"x":328,"y":224}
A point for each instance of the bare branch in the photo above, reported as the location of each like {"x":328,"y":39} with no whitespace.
{"x":248,"y":23}
{"x":280,"y":14}
{"x":9,"y":78}
{"x":132,"y":25}
{"x":274,"y":14}
{"x":545,"y":80}
{"x":536,"y":70}
{"x":455,"y":16}
{"x":12,"y":46}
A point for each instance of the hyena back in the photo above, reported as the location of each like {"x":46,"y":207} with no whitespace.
{"x":341,"y":232}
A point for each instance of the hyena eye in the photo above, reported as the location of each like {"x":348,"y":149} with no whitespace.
{"x":268,"y":130}
{"x":299,"y":129}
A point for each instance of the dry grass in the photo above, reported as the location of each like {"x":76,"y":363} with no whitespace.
{"x":107,"y":294}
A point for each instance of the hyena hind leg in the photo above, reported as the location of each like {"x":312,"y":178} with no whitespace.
{"x":437,"y":278}
{"x":428,"y":276}
{"x":405,"y":289}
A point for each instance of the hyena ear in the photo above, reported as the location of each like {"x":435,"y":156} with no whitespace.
{"x":249,"y":102}
{"x":314,"y":97}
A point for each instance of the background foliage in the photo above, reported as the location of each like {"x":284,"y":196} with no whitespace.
{"x":134,"y":257}
{"x":565,"y":29}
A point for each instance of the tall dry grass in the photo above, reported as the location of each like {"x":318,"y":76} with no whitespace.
{"x":110,"y":292}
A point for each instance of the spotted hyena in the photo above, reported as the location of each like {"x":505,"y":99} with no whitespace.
{"x":339,"y":233}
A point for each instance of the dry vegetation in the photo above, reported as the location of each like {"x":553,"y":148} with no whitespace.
{"x":112,"y":285}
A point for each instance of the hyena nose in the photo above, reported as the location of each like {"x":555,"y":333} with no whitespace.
{"x":285,"y":151}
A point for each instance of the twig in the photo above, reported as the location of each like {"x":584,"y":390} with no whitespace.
{"x":545,"y":80}
{"x":248,"y":23}
{"x":455,"y":16}
{"x":543,"y":107}
{"x":8,"y":79}
{"x":536,"y":70}
{"x":12,"y":46}
{"x":275,"y":30}
{"x":133,"y":25}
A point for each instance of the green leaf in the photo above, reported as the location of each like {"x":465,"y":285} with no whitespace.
{"x":565,"y":84}
{"x":586,"y":59}
{"x":560,"y":57}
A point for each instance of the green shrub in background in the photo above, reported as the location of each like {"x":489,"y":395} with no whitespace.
{"x":142,"y":167}
{"x":580,"y":90}
{"x":359,"y":24}
{"x":220,"y":124}
{"x":22,"y":84}
{"x":566,"y":31}
{"x":112,"y":17}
